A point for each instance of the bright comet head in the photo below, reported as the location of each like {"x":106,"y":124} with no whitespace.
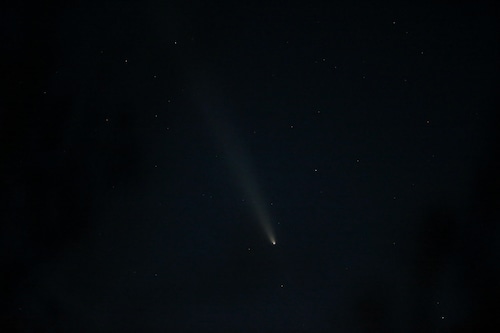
{"x":274,"y":242}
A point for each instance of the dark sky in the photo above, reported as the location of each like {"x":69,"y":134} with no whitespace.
{"x":151,"y":151}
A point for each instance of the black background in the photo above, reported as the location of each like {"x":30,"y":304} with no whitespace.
{"x":370,"y":129}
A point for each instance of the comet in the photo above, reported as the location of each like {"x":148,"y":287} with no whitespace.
{"x":239,"y":164}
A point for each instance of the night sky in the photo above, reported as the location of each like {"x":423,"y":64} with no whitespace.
{"x":249,"y":167}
